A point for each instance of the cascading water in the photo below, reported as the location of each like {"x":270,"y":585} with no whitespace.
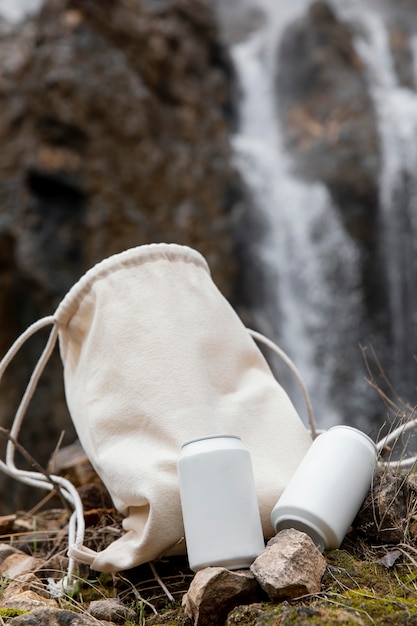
{"x":15,"y":10}
{"x":315,"y":304}
{"x":396,"y":108}
{"x":304,"y":230}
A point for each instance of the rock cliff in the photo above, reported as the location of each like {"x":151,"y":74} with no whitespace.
{"x":114,"y":125}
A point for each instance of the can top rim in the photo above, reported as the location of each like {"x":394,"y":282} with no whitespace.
{"x":186,"y":443}
{"x":356,"y":430}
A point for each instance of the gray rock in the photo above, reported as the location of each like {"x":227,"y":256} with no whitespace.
{"x":26,"y":600}
{"x":18,"y":564}
{"x":52,"y":617}
{"x":114,"y":125}
{"x":290,"y":566}
{"x":215,"y":591}
{"x":111,"y":609}
{"x":25,"y":582}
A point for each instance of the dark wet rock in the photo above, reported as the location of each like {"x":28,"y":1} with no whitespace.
{"x":53,"y":617}
{"x":327,"y":111}
{"x":329,"y":124}
{"x":114,"y":124}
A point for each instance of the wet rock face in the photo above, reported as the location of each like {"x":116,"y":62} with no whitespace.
{"x":117,"y":135}
{"x":329,"y":123}
{"x":402,"y":19}
{"x":327,"y":113}
{"x":114,"y":126}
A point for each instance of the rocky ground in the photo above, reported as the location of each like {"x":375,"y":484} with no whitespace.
{"x":371,"y":579}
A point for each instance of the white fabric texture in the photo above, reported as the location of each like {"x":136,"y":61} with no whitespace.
{"x":154,"y":356}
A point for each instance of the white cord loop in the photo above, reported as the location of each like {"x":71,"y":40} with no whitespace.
{"x":293,"y":368}
{"x":76,"y":525}
{"x":393,"y":436}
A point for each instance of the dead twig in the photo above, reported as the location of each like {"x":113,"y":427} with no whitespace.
{"x":160,"y":582}
{"x":395,"y":402}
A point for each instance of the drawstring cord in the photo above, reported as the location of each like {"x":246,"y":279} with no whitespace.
{"x":293,"y":368}
{"x":406,"y":462}
{"x":393,"y":436}
{"x":76,"y":525}
{"x":27,"y":396}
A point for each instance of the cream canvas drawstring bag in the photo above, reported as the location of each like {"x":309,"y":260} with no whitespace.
{"x":153,"y":356}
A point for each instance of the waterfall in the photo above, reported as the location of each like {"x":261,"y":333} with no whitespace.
{"x":315,"y":304}
{"x":396,"y":108}
{"x":304,"y":236}
{"x":14,"y":10}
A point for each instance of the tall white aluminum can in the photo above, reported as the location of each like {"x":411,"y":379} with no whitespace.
{"x":219,"y":505}
{"x":326,"y":491}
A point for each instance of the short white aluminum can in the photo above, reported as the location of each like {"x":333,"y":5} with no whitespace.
{"x":219,"y":505}
{"x":329,"y":486}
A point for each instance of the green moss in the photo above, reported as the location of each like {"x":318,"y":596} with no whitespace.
{"x":353,"y":608}
{"x":344,"y":572}
{"x":287,"y":614}
{"x":378,"y":594}
{"x":354,"y":592}
{"x":382,"y":610}
{"x":10,"y":612}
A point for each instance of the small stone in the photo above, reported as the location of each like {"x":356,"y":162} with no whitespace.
{"x":52,"y":617}
{"x":290,"y":566}
{"x":215,"y":591}
{"x":25,"y":582}
{"x":17,"y":564}
{"x":111,"y":610}
{"x":27,"y":601}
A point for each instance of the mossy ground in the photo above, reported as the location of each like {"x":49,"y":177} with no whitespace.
{"x":355,"y":591}
{"x":365,"y":583}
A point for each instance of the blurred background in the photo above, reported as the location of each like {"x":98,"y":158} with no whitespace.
{"x":278,"y":138}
